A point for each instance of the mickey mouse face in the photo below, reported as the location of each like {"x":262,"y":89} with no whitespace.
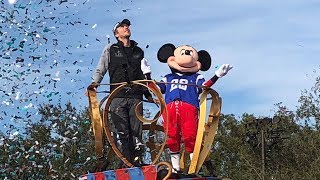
{"x":184,"y":58}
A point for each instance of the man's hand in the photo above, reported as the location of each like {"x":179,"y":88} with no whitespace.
{"x":223,"y":70}
{"x":93,"y":87}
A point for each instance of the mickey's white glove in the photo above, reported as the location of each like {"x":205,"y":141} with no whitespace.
{"x":223,"y":70}
{"x":145,"y":67}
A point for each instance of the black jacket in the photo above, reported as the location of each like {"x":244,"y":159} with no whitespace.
{"x":125,"y":66}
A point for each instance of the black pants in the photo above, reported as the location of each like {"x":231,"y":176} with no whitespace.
{"x":128,"y":126}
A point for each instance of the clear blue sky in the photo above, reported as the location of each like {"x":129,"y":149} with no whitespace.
{"x":273,"y":46}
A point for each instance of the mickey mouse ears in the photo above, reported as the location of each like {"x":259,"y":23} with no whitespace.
{"x":205,"y":60}
{"x":165,"y":52}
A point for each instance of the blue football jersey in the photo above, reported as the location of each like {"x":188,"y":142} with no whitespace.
{"x":176,"y":88}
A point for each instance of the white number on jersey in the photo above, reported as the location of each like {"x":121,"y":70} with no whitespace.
{"x":179,"y":83}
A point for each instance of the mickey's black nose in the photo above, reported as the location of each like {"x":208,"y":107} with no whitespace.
{"x":187,"y":52}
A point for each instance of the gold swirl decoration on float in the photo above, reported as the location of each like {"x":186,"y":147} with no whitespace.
{"x":206,"y":130}
{"x":96,"y":122}
{"x":99,"y":124}
{"x":169,"y":167}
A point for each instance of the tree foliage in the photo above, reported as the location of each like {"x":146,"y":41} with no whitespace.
{"x":59,"y":146}
{"x":309,"y":108}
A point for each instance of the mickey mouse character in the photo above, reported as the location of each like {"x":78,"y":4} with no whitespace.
{"x":182,"y":88}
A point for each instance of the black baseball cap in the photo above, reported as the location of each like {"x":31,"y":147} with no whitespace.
{"x":124,"y":21}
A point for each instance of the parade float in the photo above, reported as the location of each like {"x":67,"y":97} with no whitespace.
{"x":155,"y":147}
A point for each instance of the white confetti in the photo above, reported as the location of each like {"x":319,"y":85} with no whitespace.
{"x":94,"y":26}
{"x":18,"y":95}
{"x":12,"y":1}
{"x":50,"y":165}
{"x":56,"y":79}
{"x":6,"y":103}
{"x":64,"y":140}
{"x":29,"y":105}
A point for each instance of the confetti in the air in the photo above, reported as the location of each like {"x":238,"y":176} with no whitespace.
{"x":12,"y":1}
{"x":44,"y":63}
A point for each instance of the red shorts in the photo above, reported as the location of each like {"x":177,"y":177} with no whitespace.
{"x":183,"y":122}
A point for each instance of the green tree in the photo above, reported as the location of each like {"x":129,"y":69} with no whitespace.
{"x":309,"y":109}
{"x":60,"y":145}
